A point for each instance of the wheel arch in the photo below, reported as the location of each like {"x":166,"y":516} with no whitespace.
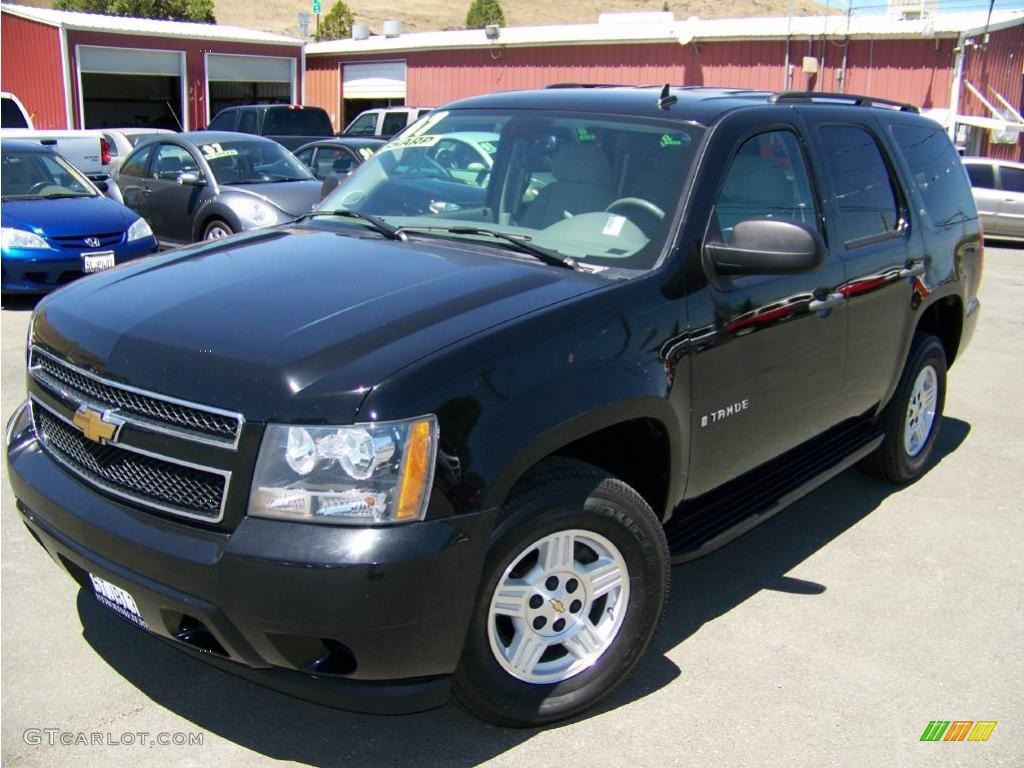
{"x":944,"y":318}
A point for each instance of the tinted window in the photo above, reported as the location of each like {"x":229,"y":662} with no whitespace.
{"x":171,"y":161}
{"x":767,"y":179}
{"x":863,"y":186}
{"x":247,"y":121}
{"x":330,"y":159}
{"x":137,"y":163}
{"x":938,"y":172}
{"x":1012,"y":179}
{"x":296,"y":121}
{"x":224,"y":121}
{"x":394,"y":122}
{"x":982,"y":176}
{"x":364,"y":125}
{"x":11,"y":117}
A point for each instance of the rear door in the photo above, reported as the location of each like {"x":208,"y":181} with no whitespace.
{"x":986,"y":195}
{"x":869,"y":223}
{"x":766,"y":368}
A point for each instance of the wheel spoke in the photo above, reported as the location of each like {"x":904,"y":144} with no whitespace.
{"x":558,"y":552}
{"x":585,"y":642}
{"x":602,"y":577}
{"x":922,"y":433}
{"x":510,"y":600}
{"x":928,"y":399}
{"x":525,"y":652}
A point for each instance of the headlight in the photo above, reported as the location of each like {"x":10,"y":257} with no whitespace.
{"x":139,"y":230}
{"x":258,"y":214}
{"x":20,"y":238}
{"x":364,"y":474}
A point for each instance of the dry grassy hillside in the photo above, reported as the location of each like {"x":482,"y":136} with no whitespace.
{"x":280,"y":15}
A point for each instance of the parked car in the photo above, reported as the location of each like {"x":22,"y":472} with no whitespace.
{"x":123,"y":140}
{"x":444,"y":438}
{"x":206,"y":185}
{"x":384,"y":122}
{"x":290,"y":125}
{"x":88,"y":151}
{"x":332,"y":160}
{"x":56,"y":224}
{"x":998,"y":187}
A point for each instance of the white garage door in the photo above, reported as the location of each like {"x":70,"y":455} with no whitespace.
{"x":377,"y":80}
{"x":128,"y":61}
{"x":249,"y":69}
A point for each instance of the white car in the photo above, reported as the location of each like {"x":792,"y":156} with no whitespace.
{"x":385,"y":122}
{"x":123,"y":140}
{"x":998,"y":187}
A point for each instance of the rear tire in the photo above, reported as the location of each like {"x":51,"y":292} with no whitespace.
{"x":574,"y":586}
{"x":217,"y":230}
{"x":912,"y":418}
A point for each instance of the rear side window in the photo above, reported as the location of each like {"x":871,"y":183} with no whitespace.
{"x":767,"y":179}
{"x":247,"y":121}
{"x":288,"y":121}
{"x":864,"y":191}
{"x":982,"y":176}
{"x":137,"y":162}
{"x":938,"y":172}
{"x":224,"y":120}
{"x":1012,"y":179}
{"x":394,"y":122}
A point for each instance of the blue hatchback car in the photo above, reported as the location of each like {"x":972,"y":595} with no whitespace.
{"x":56,"y":224}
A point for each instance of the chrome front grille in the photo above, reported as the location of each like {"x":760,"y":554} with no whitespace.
{"x":146,"y":409}
{"x":151,"y":481}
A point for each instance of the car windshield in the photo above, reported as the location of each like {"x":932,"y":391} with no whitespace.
{"x":600,"y":189}
{"x":40,"y":176}
{"x":252,"y":162}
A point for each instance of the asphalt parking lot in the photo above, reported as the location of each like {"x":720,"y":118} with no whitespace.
{"x":830,"y":636}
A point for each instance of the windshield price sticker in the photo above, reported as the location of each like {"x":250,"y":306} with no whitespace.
{"x":427,"y":140}
{"x":366,"y":153}
{"x":613,"y":226}
{"x":213,"y":151}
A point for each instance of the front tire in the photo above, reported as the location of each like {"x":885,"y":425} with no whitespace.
{"x":217,"y":230}
{"x":911,"y":420}
{"x":574,"y":586}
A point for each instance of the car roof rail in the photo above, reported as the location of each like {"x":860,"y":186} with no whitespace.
{"x":588,"y":85}
{"x":850,"y":98}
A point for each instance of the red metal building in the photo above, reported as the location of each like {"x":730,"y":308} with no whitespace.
{"x":923,"y":61}
{"x":78,"y":70}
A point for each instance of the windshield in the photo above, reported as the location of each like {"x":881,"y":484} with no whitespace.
{"x":601,"y":189}
{"x":252,"y":162}
{"x":40,"y":176}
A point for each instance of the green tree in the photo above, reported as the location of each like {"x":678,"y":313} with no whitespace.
{"x":174,"y":10}
{"x":484,"y":12}
{"x":336,"y":24}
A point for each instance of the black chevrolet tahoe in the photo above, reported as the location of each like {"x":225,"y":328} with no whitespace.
{"x":446,"y":434}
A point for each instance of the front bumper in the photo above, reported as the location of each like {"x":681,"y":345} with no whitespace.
{"x":38,"y":271}
{"x":368,"y":619}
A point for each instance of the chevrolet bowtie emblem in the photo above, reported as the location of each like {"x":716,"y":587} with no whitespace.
{"x":94,"y":426}
{"x":558,"y":605}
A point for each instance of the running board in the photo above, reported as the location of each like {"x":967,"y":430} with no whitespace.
{"x":708,"y":522}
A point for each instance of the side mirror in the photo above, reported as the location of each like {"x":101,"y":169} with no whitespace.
{"x":191,"y":180}
{"x":768,"y":247}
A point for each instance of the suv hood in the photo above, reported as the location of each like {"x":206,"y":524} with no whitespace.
{"x":289,"y":324}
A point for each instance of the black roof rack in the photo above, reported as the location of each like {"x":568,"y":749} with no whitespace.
{"x":590,"y":85}
{"x":859,"y":101}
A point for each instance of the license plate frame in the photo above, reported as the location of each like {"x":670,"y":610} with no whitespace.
{"x":117,"y":599}
{"x":97,"y":261}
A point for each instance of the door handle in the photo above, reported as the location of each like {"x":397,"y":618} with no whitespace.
{"x":831,"y":301}
{"x":913,"y":269}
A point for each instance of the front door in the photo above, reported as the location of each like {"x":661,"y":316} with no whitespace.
{"x":767,"y":350}
{"x":171,"y":204}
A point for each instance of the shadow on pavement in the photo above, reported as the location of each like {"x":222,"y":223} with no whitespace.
{"x":285,"y":728}
{"x":15,"y":302}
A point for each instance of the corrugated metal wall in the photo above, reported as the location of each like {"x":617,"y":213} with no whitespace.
{"x":30,"y":68}
{"x":323,"y":86}
{"x":195,"y":62}
{"x":999,"y":65}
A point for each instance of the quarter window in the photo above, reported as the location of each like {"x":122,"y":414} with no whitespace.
{"x":938,"y":172}
{"x":767,"y":179}
{"x":137,"y":163}
{"x":864,"y":189}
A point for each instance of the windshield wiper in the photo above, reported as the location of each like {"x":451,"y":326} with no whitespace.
{"x":62,"y":195}
{"x":389,"y":231}
{"x":521,"y":242}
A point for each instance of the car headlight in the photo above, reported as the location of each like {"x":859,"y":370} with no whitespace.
{"x":139,"y":230}
{"x":364,"y":474}
{"x":258,"y":214}
{"x":20,"y":238}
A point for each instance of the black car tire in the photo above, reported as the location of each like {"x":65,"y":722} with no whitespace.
{"x":562,"y":495}
{"x":891,"y":460}
{"x":217,"y":225}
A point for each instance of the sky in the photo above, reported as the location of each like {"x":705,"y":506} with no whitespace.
{"x":948,"y":6}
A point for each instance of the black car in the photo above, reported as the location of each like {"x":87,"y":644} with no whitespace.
{"x":447,"y":433}
{"x":205,"y":185}
{"x":332,"y":160}
{"x":290,"y":125}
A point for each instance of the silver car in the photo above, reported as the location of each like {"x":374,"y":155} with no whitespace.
{"x":998,"y":187}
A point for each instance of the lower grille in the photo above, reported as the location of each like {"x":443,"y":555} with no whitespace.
{"x":146,"y":480}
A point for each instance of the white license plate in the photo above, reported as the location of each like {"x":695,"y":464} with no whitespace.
{"x":117,"y":600}
{"x":95,"y":262}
